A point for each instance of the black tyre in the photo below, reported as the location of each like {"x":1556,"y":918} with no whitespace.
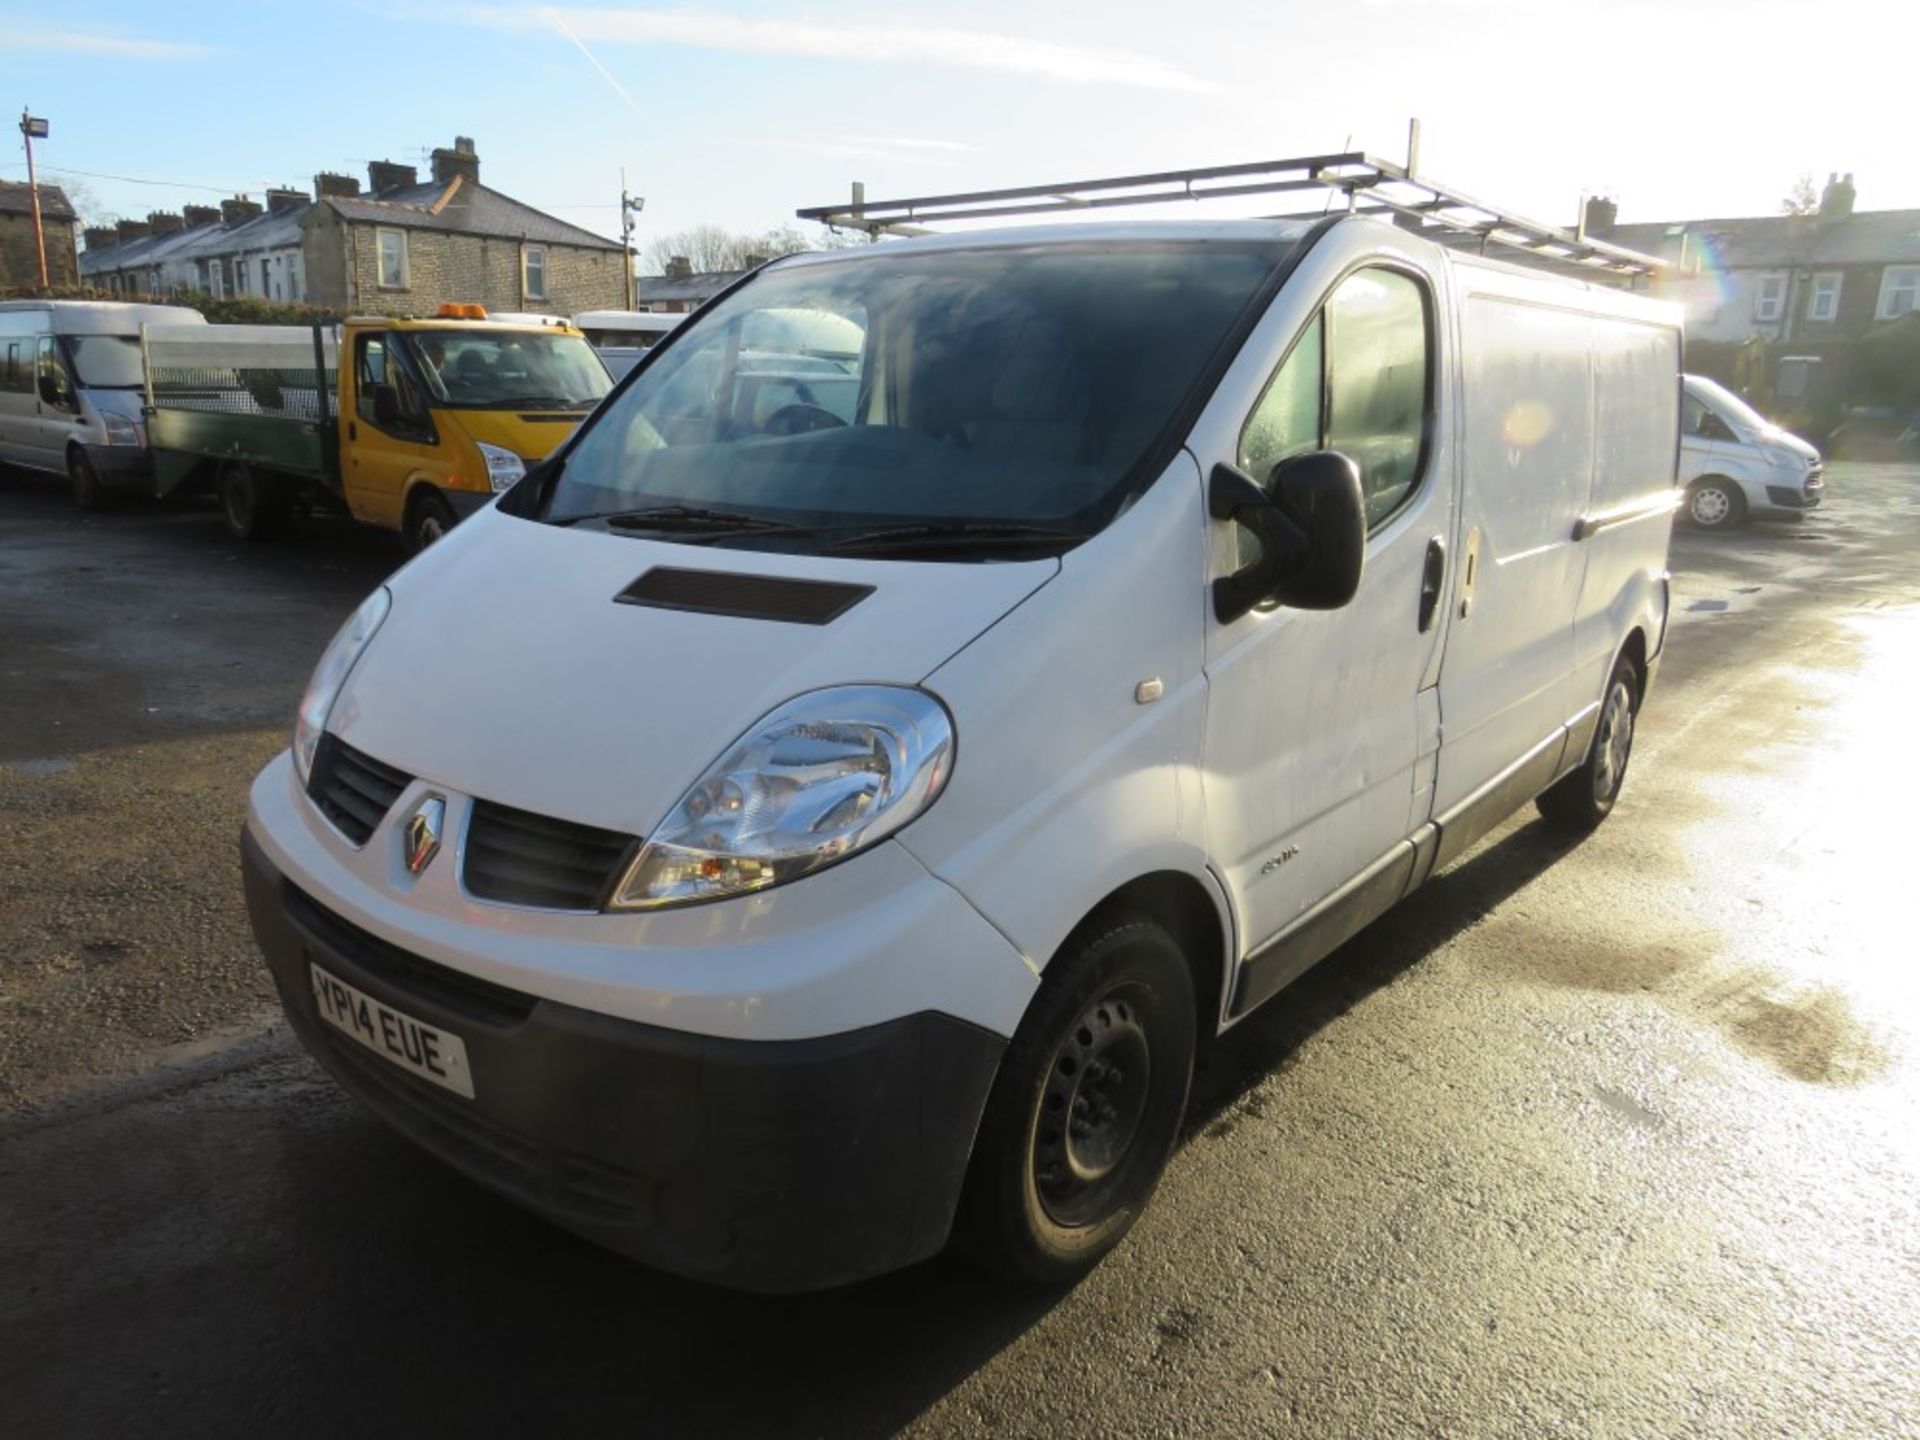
{"x":1716,"y":503}
{"x":1579,"y":801}
{"x":429,"y":518}
{"x":88,"y":493}
{"x":1086,"y":1108}
{"x":254,"y":506}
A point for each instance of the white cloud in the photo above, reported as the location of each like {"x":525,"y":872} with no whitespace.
{"x":27,"y":35}
{"x":900,"y":44}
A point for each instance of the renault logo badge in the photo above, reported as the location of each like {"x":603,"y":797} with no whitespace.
{"x":424,"y":828}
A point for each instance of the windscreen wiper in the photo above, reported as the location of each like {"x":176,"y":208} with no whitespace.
{"x":933,"y":536}
{"x":685,"y":517}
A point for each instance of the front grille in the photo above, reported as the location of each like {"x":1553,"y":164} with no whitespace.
{"x":520,"y":858}
{"x":354,"y":791}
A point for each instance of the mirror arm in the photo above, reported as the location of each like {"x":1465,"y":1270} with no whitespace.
{"x":1233,"y":495}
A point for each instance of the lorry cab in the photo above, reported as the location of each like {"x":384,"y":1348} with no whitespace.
{"x":70,"y":383}
{"x":1735,"y":463}
{"x":438,"y":415}
{"x":946,"y":685}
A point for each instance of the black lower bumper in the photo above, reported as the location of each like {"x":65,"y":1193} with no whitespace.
{"x":466,"y":502}
{"x":1786,"y":497}
{"x":763,"y":1165}
{"x":121,"y":467}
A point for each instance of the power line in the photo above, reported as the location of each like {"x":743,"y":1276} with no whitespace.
{"x":136,"y":179}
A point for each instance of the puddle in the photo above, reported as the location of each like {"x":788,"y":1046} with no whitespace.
{"x":36,"y":769}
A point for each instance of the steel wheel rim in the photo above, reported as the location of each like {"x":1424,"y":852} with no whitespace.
{"x":1613,"y":744}
{"x":1711,"y":505}
{"x":1092,"y":1109}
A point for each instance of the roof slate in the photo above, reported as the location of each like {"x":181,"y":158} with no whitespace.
{"x":1869,"y":237}
{"x":473,"y":210}
{"x":17,"y":199}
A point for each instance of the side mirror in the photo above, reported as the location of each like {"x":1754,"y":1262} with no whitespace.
{"x":386,"y":406}
{"x":1312,"y":533}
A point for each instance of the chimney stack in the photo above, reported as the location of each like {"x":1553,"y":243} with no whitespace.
{"x":1836,"y":201}
{"x":163,"y":222}
{"x":460,"y":161}
{"x":239,"y":210}
{"x":101,"y":237}
{"x":679,"y":267}
{"x":131,"y":230}
{"x":1603,"y":213}
{"x":384,"y":175}
{"x":198,"y":215}
{"x":281,"y":201}
{"x":327,"y":183}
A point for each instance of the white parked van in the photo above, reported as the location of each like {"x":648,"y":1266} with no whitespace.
{"x":842,"y":828}
{"x":623,"y":336}
{"x":70,"y":390}
{"x":1734,"y":462}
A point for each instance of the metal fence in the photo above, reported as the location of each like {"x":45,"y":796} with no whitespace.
{"x":287,"y":371}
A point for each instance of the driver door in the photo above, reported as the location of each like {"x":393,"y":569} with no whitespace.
{"x":384,"y":451}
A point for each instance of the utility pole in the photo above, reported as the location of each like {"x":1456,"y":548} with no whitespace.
{"x":630,"y":206}
{"x":32,"y":127}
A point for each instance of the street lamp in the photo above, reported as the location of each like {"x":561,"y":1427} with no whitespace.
{"x":630,"y":206}
{"x":32,"y":128}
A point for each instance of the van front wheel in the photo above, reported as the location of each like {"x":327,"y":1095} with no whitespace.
{"x":1578,"y":802}
{"x":429,"y":519}
{"x":1086,"y":1107}
{"x":85,"y":481}
{"x":1716,"y":504}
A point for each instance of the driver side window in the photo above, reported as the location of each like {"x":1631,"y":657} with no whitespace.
{"x":377,"y":364}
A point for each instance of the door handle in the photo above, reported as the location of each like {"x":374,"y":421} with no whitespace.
{"x":1432,"y":581}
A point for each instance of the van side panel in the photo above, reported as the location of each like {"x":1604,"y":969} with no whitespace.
{"x":1636,"y":402}
{"x":1527,"y":409}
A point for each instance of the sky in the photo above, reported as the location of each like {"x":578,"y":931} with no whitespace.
{"x":738,"y":112}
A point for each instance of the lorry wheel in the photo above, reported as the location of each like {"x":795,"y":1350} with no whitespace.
{"x":85,"y":480}
{"x":1579,"y":801}
{"x":429,"y":519}
{"x":1086,"y":1108}
{"x":1716,"y":504}
{"x":254,"y":506}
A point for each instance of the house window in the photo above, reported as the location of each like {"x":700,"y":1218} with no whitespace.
{"x":393,"y":259}
{"x":296,"y":288}
{"x":533,"y":271}
{"x":1769,"y":298}
{"x":239,"y":276}
{"x":1823,"y":300}
{"x":1899,"y":292}
{"x":266,"y":279}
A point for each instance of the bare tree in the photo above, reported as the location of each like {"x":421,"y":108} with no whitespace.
{"x":1802,"y":198}
{"x":713,"y":247}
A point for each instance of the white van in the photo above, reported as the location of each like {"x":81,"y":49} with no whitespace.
{"x":70,"y":390}
{"x":623,"y":336}
{"x":1736,"y":463}
{"x":840,"y":834}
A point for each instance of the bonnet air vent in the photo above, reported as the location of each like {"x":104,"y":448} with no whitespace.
{"x":750,"y":597}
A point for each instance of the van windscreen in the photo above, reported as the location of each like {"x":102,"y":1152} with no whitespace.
{"x":1015,"y":386}
{"x":105,"y":362}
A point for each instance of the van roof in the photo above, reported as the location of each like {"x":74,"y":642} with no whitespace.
{"x":105,"y":317}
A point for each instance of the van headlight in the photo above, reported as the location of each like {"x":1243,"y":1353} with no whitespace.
{"x":121,"y":429}
{"x":821,"y":778}
{"x":336,"y":663}
{"x":504,"y":468}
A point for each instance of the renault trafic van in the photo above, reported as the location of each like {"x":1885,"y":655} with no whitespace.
{"x":71,"y":390}
{"x":774,"y":839}
{"x":1736,"y":463}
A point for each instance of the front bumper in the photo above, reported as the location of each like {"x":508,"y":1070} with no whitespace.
{"x":121,"y":467}
{"x":1790,"y":498}
{"x":769,"y":1165}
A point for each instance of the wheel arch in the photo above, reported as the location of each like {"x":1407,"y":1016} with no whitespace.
{"x":1195,"y":913}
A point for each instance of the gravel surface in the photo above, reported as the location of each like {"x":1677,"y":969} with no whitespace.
{"x":1619,"y":1139}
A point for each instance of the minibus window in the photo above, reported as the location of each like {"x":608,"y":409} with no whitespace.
{"x":1008,"y":385}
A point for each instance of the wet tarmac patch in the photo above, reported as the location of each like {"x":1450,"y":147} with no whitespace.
{"x":38,"y":769}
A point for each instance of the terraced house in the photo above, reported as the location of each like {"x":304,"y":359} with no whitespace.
{"x":402,"y":246}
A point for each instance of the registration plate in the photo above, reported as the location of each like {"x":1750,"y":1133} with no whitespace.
{"x":430,"y":1053}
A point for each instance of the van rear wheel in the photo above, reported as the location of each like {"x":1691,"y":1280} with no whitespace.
{"x":254,"y":506}
{"x":1579,"y":801}
{"x":1086,"y":1108}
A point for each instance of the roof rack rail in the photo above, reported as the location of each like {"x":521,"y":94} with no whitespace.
{"x":1368,"y":184}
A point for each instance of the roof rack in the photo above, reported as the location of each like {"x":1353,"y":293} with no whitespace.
{"x":1368,"y":185}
